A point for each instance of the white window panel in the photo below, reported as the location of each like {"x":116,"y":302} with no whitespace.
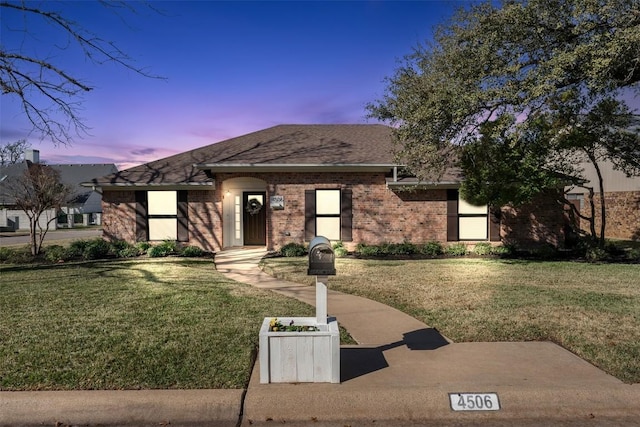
{"x":328,"y":227}
{"x":465,"y":207}
{"x":327,"y":202}
{"x":473,"y":228}
{"x":237,"y":217}
{"x":163,"y":202}
{"x":163,"y":229}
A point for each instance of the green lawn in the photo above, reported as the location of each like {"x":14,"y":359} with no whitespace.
{"x":178,"y":323}
{"x":591,"y":309}
{"x":152,"y":323}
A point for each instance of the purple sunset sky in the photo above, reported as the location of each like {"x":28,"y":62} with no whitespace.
{"x":230,"y":67}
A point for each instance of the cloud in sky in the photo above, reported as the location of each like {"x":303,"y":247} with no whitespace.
{"x":143,"y":152}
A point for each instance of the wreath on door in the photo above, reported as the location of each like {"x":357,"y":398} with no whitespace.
{"x":253,"y":206}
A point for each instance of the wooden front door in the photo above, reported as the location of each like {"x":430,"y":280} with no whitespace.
{"x":254,"y":218}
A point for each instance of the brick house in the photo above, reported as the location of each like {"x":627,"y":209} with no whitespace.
{"x":622,"y":200}
{"x":289,"y":183}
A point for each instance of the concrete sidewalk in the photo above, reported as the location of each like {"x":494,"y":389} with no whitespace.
{"x":401,"y":374}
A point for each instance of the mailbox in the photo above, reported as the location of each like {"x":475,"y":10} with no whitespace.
{"x":322,"y":261}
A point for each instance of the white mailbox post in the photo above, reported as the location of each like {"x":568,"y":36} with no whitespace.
{"x":321,"y":299}
{"x":305,"y":356}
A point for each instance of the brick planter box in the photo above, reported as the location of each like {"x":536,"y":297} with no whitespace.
{"x":299,"y":357}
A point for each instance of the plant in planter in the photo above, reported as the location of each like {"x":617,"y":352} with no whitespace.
{"x":276,"y":326}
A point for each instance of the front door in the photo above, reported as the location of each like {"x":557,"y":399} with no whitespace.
{"x":254,"y":218}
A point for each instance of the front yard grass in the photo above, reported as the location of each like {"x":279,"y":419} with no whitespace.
{"x":592,"y":310}
{"x":130,"y":324}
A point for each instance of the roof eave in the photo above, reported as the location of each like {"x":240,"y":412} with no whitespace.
{"x":416,"y":185}
{"x":141,"y":185}
{"x":301,"y":167}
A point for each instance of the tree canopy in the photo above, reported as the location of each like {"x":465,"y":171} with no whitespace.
{"x":511,"y":65}
{"x":517,"y":95}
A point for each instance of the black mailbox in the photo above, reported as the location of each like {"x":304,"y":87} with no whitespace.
{"x":322,"y":260}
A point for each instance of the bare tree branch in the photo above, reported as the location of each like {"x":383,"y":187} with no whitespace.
{"x":12,"y":152}
{"x":44,"y":89}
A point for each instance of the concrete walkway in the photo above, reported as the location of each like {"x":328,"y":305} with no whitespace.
{"x":401,"y":374}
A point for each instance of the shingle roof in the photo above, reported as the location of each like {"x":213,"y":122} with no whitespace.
{"x":325,"y":145}
{"x":74,"y":175}
{"x":8,"y":174}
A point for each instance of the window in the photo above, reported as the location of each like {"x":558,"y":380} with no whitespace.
{"x":162,"y":215}
{"x":328,"y":214}
{"x":237,"y":212}
{"x":576,"y":199}
{"x":466,"y":221}
{"x":472,"y":221}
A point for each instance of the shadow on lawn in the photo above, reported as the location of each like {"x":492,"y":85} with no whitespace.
{"x":358,"y":361}
{"x":93,"y":268}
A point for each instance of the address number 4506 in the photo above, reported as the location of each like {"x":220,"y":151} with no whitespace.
{"x":474,"y":401}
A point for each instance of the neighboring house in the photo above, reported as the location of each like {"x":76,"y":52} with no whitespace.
{"x":622,"y":197}
{"x":85,"y":207}
{"x":12,"y":218}
{"x":622,"y":201}
{"x":289,"y":183}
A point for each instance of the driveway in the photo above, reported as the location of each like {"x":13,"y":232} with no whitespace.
{"x":22,"y":237}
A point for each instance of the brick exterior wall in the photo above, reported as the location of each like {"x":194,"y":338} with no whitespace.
{"x":205,"y":219}
{"x":623,"y":214}
{"x":540,"y":222}
{"x":119,"y":215}
{"x":379,"y":214}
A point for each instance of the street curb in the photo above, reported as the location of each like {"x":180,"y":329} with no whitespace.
{"x":121,"y":408}
{"x":337,"y":405}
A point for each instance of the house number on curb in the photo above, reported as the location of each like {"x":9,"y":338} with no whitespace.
{"x":474,"y":401}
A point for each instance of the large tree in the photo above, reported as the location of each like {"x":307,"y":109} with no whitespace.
{"x":49,"y":93}
{"x":13,"y":152}
{"x":517,"y":94}
{"x":40,"y":194}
